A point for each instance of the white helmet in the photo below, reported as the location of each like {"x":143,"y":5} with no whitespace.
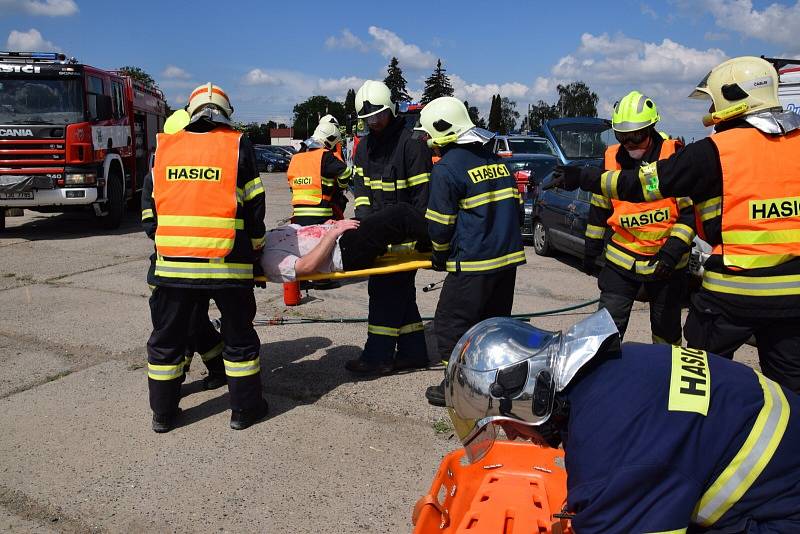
{"x":209,"y":94}
{"x":329,"y":118}
{"x":328,"y":134}
{"x":444,"y":119}
{"x":739,"y":86}
{"x":372,"y":98}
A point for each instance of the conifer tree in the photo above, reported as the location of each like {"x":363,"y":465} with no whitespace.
{"x":395,"y":82}
{"x":437,"y":84}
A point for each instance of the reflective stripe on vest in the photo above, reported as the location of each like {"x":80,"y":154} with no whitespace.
{"x":305,"y":178}
{"x":752,"y":458}
{"x":203,"y":270}
{"x":629,"y":263}
{"x":760,"y":198}
{"x":194,"y":188}
{"x":641,"y":227}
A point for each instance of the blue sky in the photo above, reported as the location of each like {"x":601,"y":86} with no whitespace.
{"x":271,"y":55}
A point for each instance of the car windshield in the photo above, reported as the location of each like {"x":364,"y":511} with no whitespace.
{"x":40,"y":101}
{"x":539,"y":167}
{"x":583,"y":140}
{"x":529,"y":145}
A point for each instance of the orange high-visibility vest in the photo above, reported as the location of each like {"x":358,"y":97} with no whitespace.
{"x":305,"y":178}
{"x":760,"y":197}
{"x":642,"y":227}
{"x":194,"y":187}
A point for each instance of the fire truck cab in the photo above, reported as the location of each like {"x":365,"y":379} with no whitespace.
{"x":73,"y":136}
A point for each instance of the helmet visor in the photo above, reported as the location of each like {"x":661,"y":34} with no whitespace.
{"x":701,"y":92}
{"x":368,"y":109}
{"x":636,"y":137}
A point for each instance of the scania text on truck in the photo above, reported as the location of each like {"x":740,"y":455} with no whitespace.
{"x":73,"y":136}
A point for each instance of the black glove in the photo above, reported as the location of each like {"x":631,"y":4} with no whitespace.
{"x":589,"y":264}
{"x":665,"y":265}
{"x":566,"y":177}
{"x":439,"y":262}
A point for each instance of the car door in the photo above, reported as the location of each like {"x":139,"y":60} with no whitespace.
{"x":557,"y":215}
{"x":579,"y":210}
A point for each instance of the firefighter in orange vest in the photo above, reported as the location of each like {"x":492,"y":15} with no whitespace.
{"x":744,"y":181}
{"x":316,"y":175}
{"x":208,"y":202}
{"x":650,"y":242}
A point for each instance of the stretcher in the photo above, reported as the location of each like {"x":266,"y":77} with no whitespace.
{"x":390,"y":263}
{"x":518,"y":487}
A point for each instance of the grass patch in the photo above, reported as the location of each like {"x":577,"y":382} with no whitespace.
{"x":442,"y":426}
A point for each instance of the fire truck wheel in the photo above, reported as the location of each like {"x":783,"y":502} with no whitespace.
{"x":115,"y":207}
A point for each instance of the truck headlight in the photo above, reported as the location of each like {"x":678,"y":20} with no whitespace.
{"x":85,"y":178}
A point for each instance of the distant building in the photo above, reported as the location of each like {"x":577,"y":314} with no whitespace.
{"x":282,"y":136}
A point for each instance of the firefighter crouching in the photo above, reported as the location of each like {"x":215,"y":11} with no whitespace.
{"x":316,"y":175}
{"x":390,"y":167}
{"x":744,"y":181}
{"x":650,"y":241}
{"x":656,"y":438}
{"x":208,"y":201}
{"x":474,"y":217}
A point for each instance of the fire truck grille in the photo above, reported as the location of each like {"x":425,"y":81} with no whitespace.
{"x":39,"y":156}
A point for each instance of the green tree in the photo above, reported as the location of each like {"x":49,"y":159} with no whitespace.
{"x":395,"y":82}
{"x":308,"y":113}
{"x":138,"y":74}
{"x":508,"y":115}
{"x":474,"y":115}
{"x":350,"y":110}
{"x":576,"y":100}
{"x":495,"y":115}
{"x":539,"y":113}
{"x":437,"y":84}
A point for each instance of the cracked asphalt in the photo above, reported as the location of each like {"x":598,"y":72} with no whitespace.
{"x":337,"y":454}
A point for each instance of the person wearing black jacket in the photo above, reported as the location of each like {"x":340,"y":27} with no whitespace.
{"x":743,"y":180}
{"x":389,"y":167}
{"x":474,"y":217}
{"x":208,"y":210}
{"x":648,"y":243}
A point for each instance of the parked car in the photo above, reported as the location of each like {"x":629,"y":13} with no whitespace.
{"x":555,"y":219}
{"x":269,"y":161}
{"x":287,"y":151}
{"x":530,"y":170}
{"x":510,"y":145}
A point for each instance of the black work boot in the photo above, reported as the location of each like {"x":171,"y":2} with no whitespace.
{"x":214,"y":380}
{"x":241,"y":419}
{"x":166,"y":422}
{"x":360,"y":366}
{"x":435,"y":394}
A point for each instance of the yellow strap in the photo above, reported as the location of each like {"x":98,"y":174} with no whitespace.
{"x":240,"y":369}
{"x":200,"y":221}
{"x":418,"y":179}
{"x":193,"y":242}
{"x":383,"y":265}
{"x":383,"y":330}
{"x":440,"y":218}
{"x":147,"y":214}
{"x":410,"y":328}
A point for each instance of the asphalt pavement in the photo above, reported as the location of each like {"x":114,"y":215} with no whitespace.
{"x":338,"y":454}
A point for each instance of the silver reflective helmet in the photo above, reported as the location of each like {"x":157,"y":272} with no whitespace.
{"x":507,"y":372}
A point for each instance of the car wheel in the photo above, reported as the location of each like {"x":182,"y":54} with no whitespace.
{"x":541,"y":239}
{"x":270,"y":167}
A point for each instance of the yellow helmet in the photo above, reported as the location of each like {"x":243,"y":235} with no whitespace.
{"x":176,"y":122}
{"x":328,"y":134}
{"x":739,"y":86}
{"x":444,"y":119}
{"x":372,"y":98}
{"x":209,"y":94}
{"x":634,"y":112}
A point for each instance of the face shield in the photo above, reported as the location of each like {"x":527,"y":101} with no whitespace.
{"x":701,"y":92}
{"x":505,"y":373}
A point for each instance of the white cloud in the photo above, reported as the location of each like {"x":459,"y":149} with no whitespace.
{"x":776,"y":23}
{"x":298,"y":85}
{"x":346,"y":40}
{"x":29,"y":41}
{"x":389,"y":44}
{"x":175,"y":73}
{"x":649,"y":11}
{"x":337,"y":87}
{"x":260,"y":77}
{"x":49,"y":8}
{"x":716,"y":36}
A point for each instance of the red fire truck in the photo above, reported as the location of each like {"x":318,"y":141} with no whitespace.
{"x":73,"y":136}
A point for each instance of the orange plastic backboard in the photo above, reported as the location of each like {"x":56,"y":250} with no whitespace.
{"x":516,"y":488}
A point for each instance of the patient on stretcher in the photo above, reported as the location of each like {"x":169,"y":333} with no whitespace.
{"x":293,"y":251}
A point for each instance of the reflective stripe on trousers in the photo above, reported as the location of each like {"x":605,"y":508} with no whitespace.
{"x":239,"y":369}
